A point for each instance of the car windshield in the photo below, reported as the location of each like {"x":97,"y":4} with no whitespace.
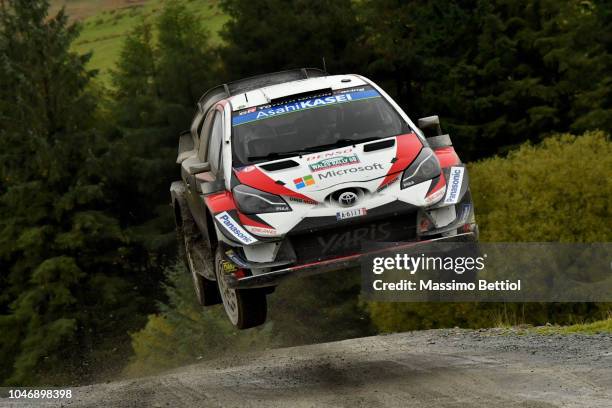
{"x":312,"y":124}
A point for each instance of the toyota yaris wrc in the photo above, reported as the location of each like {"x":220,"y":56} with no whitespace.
{"x":290,"y":173}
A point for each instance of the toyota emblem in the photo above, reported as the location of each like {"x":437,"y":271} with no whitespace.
{"x":347,"y":199}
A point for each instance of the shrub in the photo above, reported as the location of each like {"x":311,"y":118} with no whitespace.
{"x":184,"y":332}
{"x":558,"y":190}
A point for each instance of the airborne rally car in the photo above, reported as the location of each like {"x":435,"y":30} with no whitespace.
{"x":288,"y":174}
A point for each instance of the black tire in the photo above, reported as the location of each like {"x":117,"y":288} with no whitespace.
{"x":245,"y":308}
{"x":180,"y":245}
{"x":195,"y":254}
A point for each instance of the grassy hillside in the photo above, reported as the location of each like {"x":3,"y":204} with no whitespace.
{"x":107,"y":22}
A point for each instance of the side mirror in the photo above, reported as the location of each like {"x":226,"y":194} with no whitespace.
{"x":186,"y":146}
{"x":185,"y":141}
{"x":430,"y":126}
{"x":198,"y":168}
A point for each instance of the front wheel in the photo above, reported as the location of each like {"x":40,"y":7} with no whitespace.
{"x":245,"y":308}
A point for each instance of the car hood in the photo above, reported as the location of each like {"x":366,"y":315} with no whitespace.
{"x":314,"y":176}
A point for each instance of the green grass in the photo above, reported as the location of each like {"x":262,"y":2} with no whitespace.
{"x":600,"y":326}
{"x":515,"y":323}
{"x":104,"y":28}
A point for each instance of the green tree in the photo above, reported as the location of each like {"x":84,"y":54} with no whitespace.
{"x":273,"y":35}
{"x":157,"y":85}
{"x":498,"y":73}
{"x":303,"y":311}
{"x":158,"y":81}
{"x":593,"y":103}
{"x":186,"y":63}
{"x":64,"y":257}
{"x":183,"y":332}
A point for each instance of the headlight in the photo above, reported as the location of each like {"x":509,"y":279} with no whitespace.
{"x":425,"y":167}
{"x":252,"y":201}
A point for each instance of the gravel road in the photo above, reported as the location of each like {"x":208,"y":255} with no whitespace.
{"x":435,"y":368}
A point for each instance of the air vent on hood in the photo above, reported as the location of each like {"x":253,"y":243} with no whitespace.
{"x":370,"y":147}
{"x":281,"y":165}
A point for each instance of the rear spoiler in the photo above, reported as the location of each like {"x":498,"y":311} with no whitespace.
{"x":223,"y":91}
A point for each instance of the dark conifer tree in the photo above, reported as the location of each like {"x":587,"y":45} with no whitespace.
{"x":273,"y":35}
{"x":498,"y":73}
{"x":64,"y":258}
{"x":157,"y":85}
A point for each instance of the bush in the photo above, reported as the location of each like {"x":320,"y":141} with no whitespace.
{"x":184,"y":332}
{"x":302,"y":311}
{"x":558,"y":190}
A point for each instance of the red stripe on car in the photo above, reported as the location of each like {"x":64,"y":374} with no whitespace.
{"x":441,"y":184}
{"x":408,"y":147}
{"x":253,"y":177}
{"x":224,"y":201}
{"x":219,"y":202}
{"x":447,"y":156}
{"x":246,"y":220}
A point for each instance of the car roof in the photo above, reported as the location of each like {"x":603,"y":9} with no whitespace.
{"x":267,"y":94}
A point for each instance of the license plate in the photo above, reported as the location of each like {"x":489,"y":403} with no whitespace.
{"x":357,"y":212}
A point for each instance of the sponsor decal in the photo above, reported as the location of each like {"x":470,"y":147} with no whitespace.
{"x":310,"y":103}
{"x":454,"y":185}
{"x":326,"y":155}
{"x":301,"y":200}
{"x":358,"y":212}
{"x":265,"y":112}
{"x":465,"y":212}
{"x":354,"y":238}
{"x":236,"y":259}
{"x":435,"y":196}
{"x":228,"y":267}
{"x":342,"y":91}
{"x":234,"y":228}
{"x":302,"y":182}
{"x":342,"y":172}
{"x":250,"y":110}
{"x":261,"y":231}
{"x":386,"y":186}
{"x":333,"y":162}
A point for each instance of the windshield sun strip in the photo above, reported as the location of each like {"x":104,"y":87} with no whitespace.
{"x":276,"y":115}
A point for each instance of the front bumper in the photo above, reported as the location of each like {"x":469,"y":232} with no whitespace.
{"x":275,"y":277}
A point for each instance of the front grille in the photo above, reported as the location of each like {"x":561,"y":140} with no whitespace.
{"x":348,"y":239}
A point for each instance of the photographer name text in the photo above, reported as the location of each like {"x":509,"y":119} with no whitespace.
{"x":433,"y":286}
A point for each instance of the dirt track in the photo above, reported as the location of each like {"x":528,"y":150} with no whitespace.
{"x":437,"y":368}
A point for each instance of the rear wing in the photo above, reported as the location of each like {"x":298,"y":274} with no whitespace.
{"x":223,"y":91}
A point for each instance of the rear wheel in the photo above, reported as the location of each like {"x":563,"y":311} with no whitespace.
{"x":196,"y":256}
{"x":245,"y":308}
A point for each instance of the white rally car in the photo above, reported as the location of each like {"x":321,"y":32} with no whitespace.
{"x":292,"y":173}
